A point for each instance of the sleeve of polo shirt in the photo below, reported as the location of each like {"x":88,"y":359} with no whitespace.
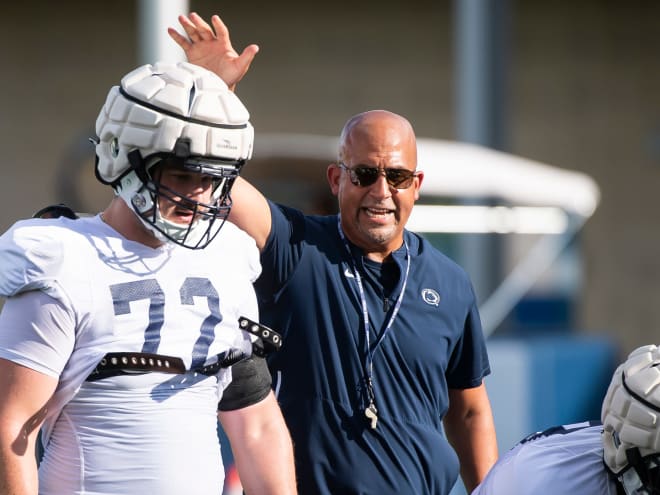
{"x":283,"y":248}
{"x":468,"y":364}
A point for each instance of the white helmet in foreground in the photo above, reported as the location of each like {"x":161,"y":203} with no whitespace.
{"x":631,"y":422}
{"x":176,"y":112}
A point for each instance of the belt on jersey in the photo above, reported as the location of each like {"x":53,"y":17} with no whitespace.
{"x":131,"y":363}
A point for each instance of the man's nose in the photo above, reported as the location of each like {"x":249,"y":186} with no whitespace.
{"x":198,"y":187}
{"x":381,"y":188}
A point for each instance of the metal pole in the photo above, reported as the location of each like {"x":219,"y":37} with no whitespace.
{"x":480,"y":61}
{"x":154,"y":17}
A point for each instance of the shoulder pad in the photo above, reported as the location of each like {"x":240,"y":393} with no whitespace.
{"x":30,"y":256}
{"x":239,"y":242}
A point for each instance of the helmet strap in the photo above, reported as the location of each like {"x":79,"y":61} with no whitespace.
{"x":635,"y":480}
{"x":138,"y":165}
{"x":182,"y":147}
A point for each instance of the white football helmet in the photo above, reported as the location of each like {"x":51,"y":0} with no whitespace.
{"x":631,"y":422}
{"x":184,"y":114}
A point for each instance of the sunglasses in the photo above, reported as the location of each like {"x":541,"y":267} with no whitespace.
{"x":363,"y":176}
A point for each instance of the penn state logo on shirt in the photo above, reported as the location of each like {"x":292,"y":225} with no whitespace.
{"x":431,"y":297}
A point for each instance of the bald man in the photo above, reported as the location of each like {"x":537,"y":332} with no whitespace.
{"x":382,"y":336}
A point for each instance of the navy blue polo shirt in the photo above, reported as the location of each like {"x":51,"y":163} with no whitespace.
{"x":308,"y":292}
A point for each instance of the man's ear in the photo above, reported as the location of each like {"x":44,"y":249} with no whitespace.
{"x":418,"y":183}
{"x":333,"y":174}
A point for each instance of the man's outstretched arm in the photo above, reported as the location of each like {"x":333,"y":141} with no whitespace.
{"x":211,"y":48}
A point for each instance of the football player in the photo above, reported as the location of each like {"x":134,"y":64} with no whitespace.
{"x":119,"y":331}
{"x":619,"y":456}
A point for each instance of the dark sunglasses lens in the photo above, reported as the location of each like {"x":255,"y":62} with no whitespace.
{"x":366,"y":176}
{"x":399,"y":178}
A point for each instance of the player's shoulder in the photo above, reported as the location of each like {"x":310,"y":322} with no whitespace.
{"x":236,"y":246}
{"x":232,"y":238}
{"x":32,"y":252}
{"x":560,"y":433}
{"x":231,"y":230}
{"x":44,"y":233}
{"x":564,"y":459}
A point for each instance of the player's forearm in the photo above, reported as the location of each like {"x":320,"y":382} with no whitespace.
{"x":262,"y":448}
{"x":271,"y":471}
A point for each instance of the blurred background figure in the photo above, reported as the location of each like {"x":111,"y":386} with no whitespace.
{"x":56,"y":211}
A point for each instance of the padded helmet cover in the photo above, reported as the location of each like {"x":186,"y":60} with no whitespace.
{"x":631,"y":409}
{"x":157,"y":104}
{"x":177,"y":111}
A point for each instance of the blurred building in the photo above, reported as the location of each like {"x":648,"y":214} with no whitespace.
{"x":579,"y":90}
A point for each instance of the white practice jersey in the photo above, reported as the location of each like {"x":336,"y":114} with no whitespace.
{"x":566,"y":460}
{"x":91,"y":292}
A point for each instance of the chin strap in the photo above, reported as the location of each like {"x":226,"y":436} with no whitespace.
{"x":636,"y":479}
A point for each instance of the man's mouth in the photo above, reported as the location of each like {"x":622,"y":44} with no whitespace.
{"x":182,"y":215}
{"x":377,"y":212}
